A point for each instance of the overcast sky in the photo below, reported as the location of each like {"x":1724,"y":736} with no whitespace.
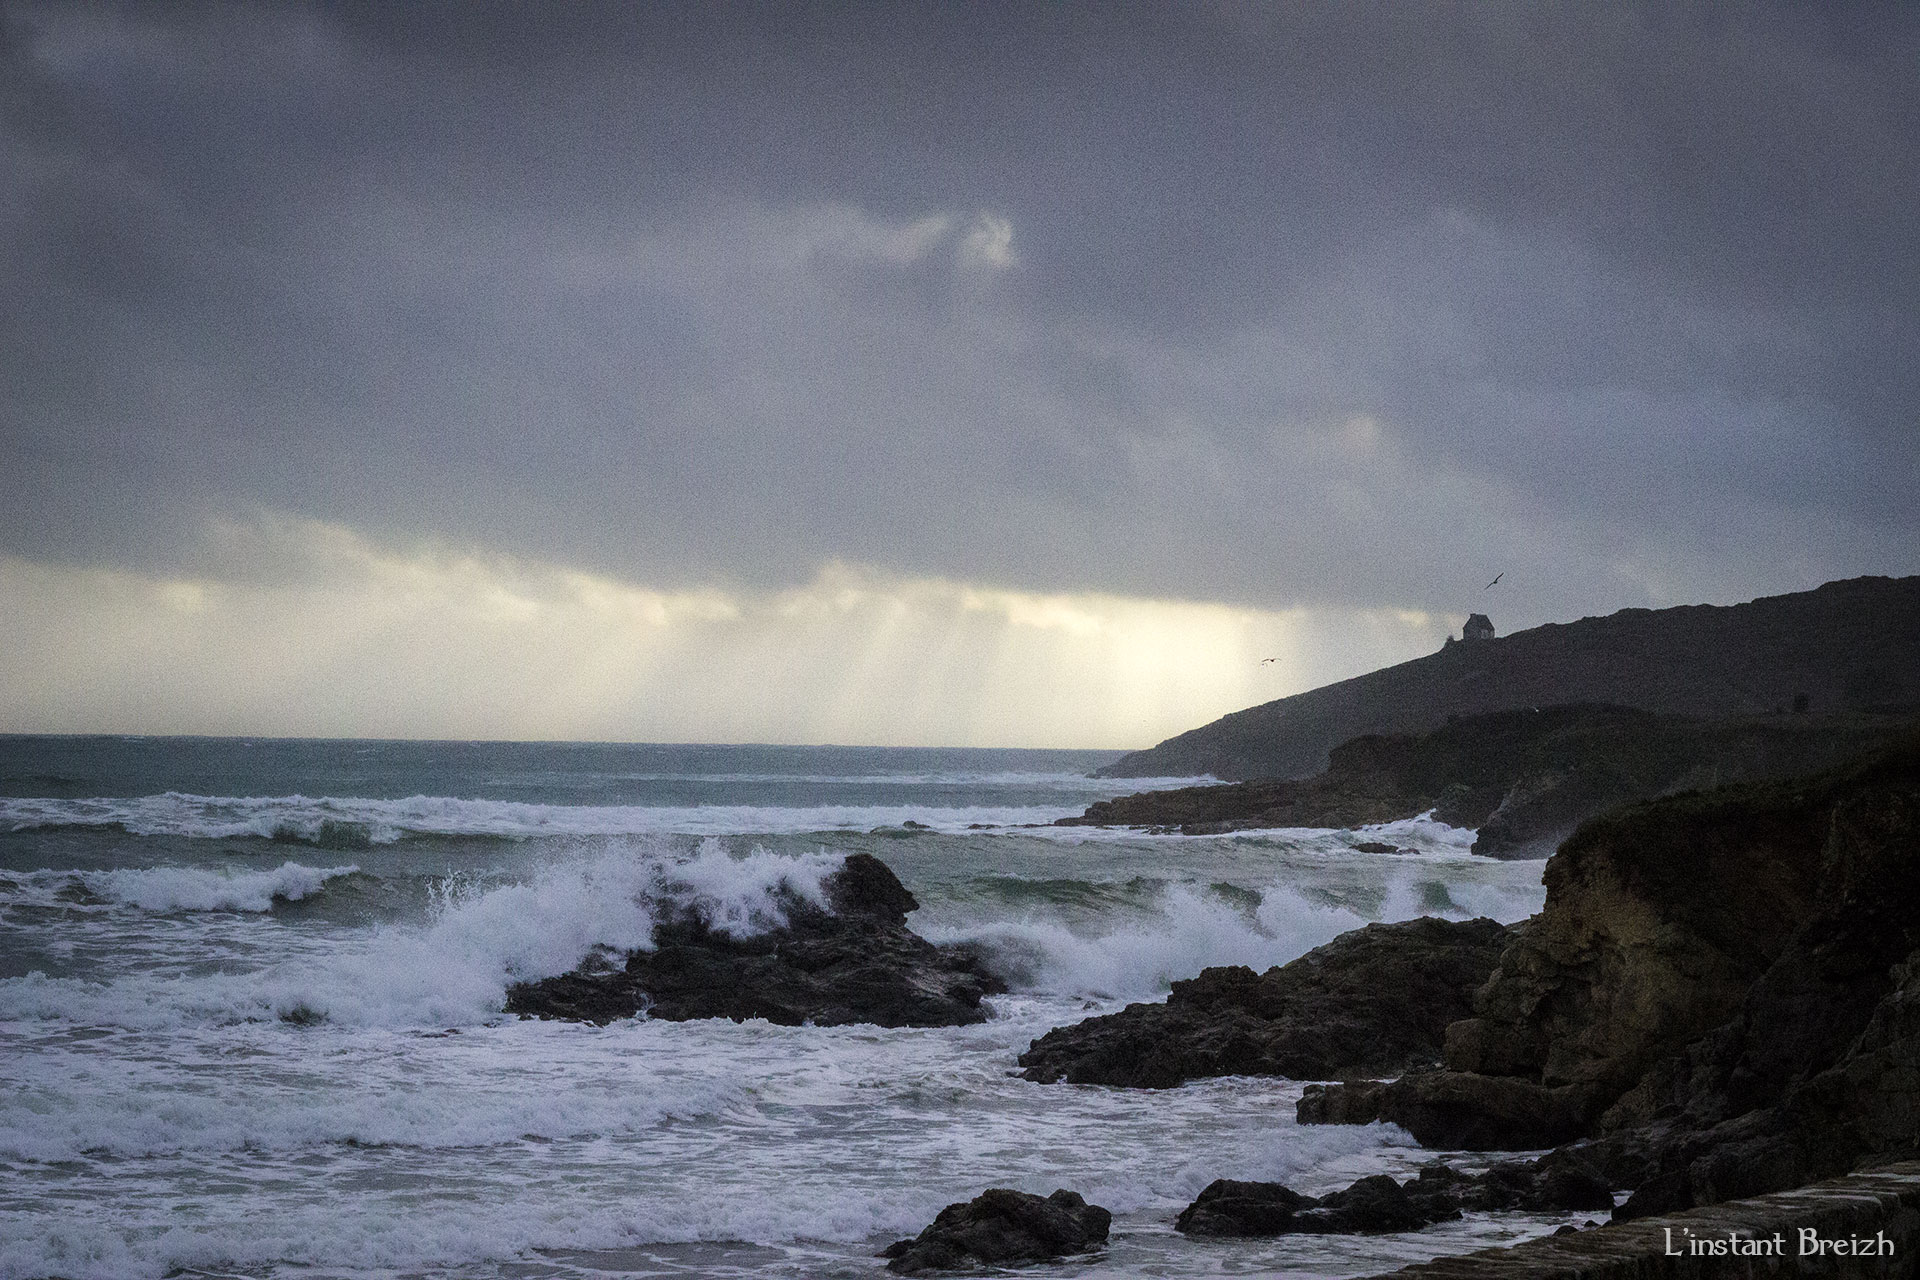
{"x":988,"y":373}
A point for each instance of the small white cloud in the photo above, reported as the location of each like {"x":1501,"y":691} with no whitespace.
{"x":848,"y":232}
{"x":914,"y":241}
{"x":989,"y":242}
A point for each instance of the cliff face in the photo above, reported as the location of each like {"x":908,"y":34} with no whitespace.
{"x":1657,"y":922}
{"x":1847,"y":646}
{"x":1722,"y":995}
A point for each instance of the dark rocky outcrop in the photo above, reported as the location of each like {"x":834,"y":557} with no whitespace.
{"x":1371,"y":1002}
{"x":1000,"y":1228}
{"x":1847,"y":646}
{"x":1379,"y":1204}
{"x":853,"y":961}
{"x":1455,"y":1110}
{"x":1524,"y":779}
{"x":1722,"y":994}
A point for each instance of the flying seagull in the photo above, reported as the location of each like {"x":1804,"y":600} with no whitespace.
{"x":1496,"y":578}
{"x":1265,"y":661}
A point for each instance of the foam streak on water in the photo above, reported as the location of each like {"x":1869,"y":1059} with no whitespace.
{"x":224,"y":1059}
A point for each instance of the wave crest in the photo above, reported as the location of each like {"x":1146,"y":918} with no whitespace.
{"x":454,"y":971}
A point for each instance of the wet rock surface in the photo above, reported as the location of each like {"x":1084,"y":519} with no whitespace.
{"x":854,"y":960}
{"x":1000,"y":1228}
{"x":1372,"y":1002}
{"x":1378,"y":1204}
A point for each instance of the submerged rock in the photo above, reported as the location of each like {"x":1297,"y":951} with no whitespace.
{"x":853,"y":961}
{"x":999,"y":1228}
{"x":1372,"y":1002}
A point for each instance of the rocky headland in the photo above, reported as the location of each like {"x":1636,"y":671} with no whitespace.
{"x":1522,"y":779}
{"x":1721,"y":997}
{"x":1844,"y":647}
{"x":853,"y":960}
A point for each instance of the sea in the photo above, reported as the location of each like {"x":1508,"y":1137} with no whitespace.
{"x":251,"y":1011}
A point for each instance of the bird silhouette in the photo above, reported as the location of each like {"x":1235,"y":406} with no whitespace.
{"x":1265,"y":661}
{"x":1496,"y":578}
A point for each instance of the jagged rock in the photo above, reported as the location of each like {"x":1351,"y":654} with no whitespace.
{"x":999,"y":1228}
{"x":1371,"y":1002}
{"x":1378,"y":1204}
{"x":855,"y":961}
{"x":1657,"y":921}
{"x":1724,"y":989}
{"x":1819,"y":1071}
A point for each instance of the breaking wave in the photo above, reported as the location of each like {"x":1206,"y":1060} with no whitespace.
{"x":452,"y":972}
{"x":1163,"y":931}
{"x":169,"y":889}
{"x":357,"y":823}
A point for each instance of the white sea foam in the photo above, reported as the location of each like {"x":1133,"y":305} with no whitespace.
{"x":528,"y":1136}
{"x":1188,"y":929}
{"x":454,"y":971}
{"x":350,"y":822}
{"x":1417,"y":835}
{"x":160,"y":1114}
{"x":187,"y":888}
{"x":66,"y":1104}
{"x":1008,"y":780}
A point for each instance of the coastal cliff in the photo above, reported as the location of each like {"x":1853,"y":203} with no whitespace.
{"x":1523,"y":779}
{"x":1846,"y":646}
{"x":1721,"y":997}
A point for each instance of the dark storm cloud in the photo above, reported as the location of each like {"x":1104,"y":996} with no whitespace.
{"x":1301,"y":304}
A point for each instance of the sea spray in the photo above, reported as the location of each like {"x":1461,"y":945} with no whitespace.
{"x":199,"y":889}
{"x":160,"y":1112}
{"x":1173,"y":930}
{"x":481,"y":936}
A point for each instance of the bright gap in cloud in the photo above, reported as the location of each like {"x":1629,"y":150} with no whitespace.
{"x":309,"y":629}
